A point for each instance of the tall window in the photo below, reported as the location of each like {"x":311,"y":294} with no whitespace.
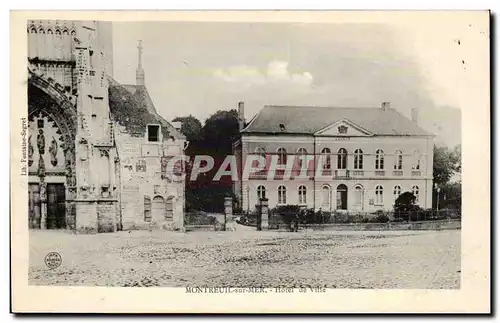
{"x":415,"y":192}
{"x":281,"y":156}
{"x":397,"y":192}
{"x":416,"y":160}
{"x":379,"y":159}
{"x":379,"y":195}
{"x":358,"y":195}
{"x":325,"y":197}
{"x":260,"y":151}
{"x":302,"y":194}
{"x":147,"y":209}
{"x":358,"y":159}
{"x":342,"y":158}
{"x":281,"y":194}
{"x":325,"y":152}
{"x":153,"y":133}
{"x":398,"y":163}
{"x":261,"y":192}
{"x":301,"y":155}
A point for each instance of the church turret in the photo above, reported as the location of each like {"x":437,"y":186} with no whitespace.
{"x":139,"y":72}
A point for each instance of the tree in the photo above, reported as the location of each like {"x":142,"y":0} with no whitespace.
{"x":191,"y":127}
{"x":446,"y":163}
{"x":405,"y":202}
{"x":219,"y":131}
{"x":450,"y":196}
{"x":215,"y":139}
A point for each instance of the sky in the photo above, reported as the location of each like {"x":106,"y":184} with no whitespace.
{"x":198,"y":68}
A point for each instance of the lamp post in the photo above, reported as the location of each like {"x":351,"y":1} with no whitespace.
{"x":248,"y":199}
{"x":438,"y":189}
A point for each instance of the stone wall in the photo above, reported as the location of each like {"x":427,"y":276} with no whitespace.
{"x":145,"y":185}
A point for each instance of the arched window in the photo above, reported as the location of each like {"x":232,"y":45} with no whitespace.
{"x":33,"y":30}
{"x":49,"y":31}
{"x":65,"y":32}
{"x":301,"y":156}
{"x":379,"y":159}
{"x":358,"y":159}
{"x":260,"y":151}
{"x":326,"y":197}
{"x":261,"y":192}
{"x":302,"y":194}
{"x":416,"y":160}
{"x":358,"y":195}
{"x":342,"y":158}
{"x":415,"y":190}
{"x":326,"y":158}
{"x":281,"y":156}
{"x":41,"y":31}
{"x":398,"y":163}
{"x":58,"y":32}
{"x":379,"y":195}
{"x":281,"y":194}
{"x":397,"y":192}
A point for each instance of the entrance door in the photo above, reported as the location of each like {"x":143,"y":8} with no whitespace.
{"x":341,"y":197}
{"x":159,"y":211}
{"x":56,"y":206}
{"x":34,"y":206}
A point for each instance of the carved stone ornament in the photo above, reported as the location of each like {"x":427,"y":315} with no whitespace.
{"x":53,"y":152}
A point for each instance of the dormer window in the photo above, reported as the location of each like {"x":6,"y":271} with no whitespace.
{"x":153,"y":133}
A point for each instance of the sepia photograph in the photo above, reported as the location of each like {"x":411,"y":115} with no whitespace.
{"x":262,"y":158}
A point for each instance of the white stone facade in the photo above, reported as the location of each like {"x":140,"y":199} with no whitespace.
{"x":371,"y":169}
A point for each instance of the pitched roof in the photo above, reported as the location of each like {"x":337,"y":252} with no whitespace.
{"x":309,"y":120}
{"x":144,"y":111}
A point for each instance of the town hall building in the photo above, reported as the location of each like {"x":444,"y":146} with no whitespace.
{"x":97,"y":150}
{"x":366,"y":158}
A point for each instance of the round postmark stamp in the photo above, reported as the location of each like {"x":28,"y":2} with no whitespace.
{"x":53,"y":260}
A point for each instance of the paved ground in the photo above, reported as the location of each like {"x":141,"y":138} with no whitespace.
{"x":402,"y":259}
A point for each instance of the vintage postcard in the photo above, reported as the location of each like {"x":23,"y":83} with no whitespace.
{"x":250,"y":162}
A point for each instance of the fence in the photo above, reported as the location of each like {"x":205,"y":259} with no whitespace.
{"x":308,"y":217}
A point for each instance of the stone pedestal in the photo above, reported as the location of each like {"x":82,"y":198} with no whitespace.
{"x":43,"y":215}
{"x":264,"y":211}
{"x":228,"y":209}
{"x":86,"y":218}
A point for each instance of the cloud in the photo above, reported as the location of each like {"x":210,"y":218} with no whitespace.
{"x":277,"y":72}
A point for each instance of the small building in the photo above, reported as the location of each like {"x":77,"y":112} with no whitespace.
{"x":357,"y":159}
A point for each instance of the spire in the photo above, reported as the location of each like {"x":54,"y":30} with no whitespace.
{"x":139,"y":72}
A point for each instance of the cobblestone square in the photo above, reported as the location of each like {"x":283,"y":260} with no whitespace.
{"x":381,"y":259}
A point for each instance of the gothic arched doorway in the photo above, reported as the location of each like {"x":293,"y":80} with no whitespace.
{"x":51,"y":161}
{"x":341,"y":197}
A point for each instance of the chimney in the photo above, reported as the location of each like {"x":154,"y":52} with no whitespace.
{"x":414,"y":115}
{"x":139,"y":72}
{"x":385,"y":105}
{"x":241,"y":115}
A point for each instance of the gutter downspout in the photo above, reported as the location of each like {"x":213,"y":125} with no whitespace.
{"x":314,"y":173}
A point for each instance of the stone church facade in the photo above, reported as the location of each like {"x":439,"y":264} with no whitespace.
{"x":98,"y":150}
